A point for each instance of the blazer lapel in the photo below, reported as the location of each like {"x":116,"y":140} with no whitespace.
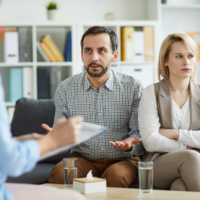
{"x":194,"y":106}
{"x":165,"y":102}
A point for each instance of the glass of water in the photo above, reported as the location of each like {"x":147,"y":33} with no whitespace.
{"x":145,"y":171}
{"x":70,"y":170}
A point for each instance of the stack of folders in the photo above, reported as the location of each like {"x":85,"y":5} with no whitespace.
{"x":17,"y":45}
{"x":51,"y":53}
{"x":137,"y":44}
{"x":20,"y":83}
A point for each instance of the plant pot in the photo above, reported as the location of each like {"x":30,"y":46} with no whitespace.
{"x":52,"y":14}
{"x":164,"y":1}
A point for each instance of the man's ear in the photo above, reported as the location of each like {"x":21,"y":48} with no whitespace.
{"x":115,"y":55}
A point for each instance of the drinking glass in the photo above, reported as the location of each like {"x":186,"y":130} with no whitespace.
{"x":70,"y":170}
{"x":145,"y":171}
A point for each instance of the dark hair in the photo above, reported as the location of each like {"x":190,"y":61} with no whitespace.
{"x":100,"y":29}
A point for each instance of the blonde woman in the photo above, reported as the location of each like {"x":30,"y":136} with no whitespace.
{"x":169,"y":117}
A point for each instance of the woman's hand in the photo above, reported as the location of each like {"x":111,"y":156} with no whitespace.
{"x":169,"y":133}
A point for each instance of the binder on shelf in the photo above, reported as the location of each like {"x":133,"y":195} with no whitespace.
{"x":28,"y":82}
{"x":48,"y":52}
{"x":127,"y":43}
{"x":42,"y":53}
{"x":11,"y":52}
{"x":55,"y":79}
{"x":149,"y":43}
{"x":145,"y":74}
{"x":11,"y":111}
{"x":49,"y":42}
{"x":68,"y":47}
{"x":24,"y":44}
{"x":15,"y":84}
{"x":43,"y":83}
{"x":2,"y":31}
{"x":196,"y":37}
{"x":138,"y":45}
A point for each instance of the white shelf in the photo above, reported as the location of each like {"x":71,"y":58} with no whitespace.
{"x":9,"y":104}
{"x":137,"y":63}
{"x":22,"y":64}
{"x":188,"y":6}
{"x":40,"y":64}
{"x":121,"y":23}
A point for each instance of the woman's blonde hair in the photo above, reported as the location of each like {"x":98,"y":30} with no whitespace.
{"x":165,"y":49}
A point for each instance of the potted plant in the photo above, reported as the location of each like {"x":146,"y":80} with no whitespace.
{"x":52,"y":10}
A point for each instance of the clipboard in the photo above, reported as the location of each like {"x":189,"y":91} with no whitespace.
{"x":88,"y":131}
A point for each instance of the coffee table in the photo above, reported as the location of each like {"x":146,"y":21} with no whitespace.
{"x":133,"y":194}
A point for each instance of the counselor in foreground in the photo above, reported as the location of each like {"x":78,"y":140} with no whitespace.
{"x":21,"y":154}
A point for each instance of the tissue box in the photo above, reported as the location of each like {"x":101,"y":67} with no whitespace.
{"x":85,"y":186}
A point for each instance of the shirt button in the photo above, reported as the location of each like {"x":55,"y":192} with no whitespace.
{"x":99,"y":113}
{"x":99,"y":97}
{"x":101,"y":149}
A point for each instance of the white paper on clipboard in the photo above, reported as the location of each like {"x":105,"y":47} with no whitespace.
{"x":88,"y":131}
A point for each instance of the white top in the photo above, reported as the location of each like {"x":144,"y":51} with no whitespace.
{"x":149,"y":125}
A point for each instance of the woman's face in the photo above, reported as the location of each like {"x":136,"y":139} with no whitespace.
{"x":181,"y":61}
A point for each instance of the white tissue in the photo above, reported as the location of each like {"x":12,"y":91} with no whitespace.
{"x":89,"y":176}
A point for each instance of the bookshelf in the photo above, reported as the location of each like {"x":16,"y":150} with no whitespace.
{"x":37,"y":30}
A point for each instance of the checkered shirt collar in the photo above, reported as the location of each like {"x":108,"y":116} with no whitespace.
{"x":108,"y":84}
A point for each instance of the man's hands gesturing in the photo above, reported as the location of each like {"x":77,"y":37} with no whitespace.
{"x":126,"y":144}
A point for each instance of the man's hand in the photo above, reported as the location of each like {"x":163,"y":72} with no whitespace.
{"x":169,"y":133}
{"x":31,"y":136}
{"x":126,"y":144}
{"x":47,"y":128}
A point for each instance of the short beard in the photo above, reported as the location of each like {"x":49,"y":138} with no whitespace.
{"x":104,"y":70}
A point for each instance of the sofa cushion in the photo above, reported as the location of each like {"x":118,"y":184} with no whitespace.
{"x":28,"y":117}
{"x":30,"y":114}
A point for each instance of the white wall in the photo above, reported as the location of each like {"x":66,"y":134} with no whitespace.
{"x":72,"y":10}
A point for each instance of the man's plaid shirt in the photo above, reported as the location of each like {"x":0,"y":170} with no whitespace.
{"x":115,"y":106}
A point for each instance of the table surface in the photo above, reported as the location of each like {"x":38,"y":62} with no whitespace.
{"x":132,"y":193}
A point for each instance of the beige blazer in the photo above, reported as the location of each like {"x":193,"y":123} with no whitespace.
{"x":164,"y":106}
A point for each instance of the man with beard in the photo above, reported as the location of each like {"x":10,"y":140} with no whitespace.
{"x":107,"y":98}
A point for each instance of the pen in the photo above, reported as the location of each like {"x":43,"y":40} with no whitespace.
{"x":65,"y":114}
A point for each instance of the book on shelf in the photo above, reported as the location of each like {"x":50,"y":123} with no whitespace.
{"x":11,"y":111}
{"x":11,"y":47}
{"x":15,"y":84}
{"x":68,"y":47}
{"x":43,"y":83}
{"x":28,"y":82}
{"x":137,"y":44}
{"x":48,"y":52}
{"x":55,"y":79}
{"x":42,"y":52}
{"x":54,"y":49}
{"x":48,"y":80}
{"x":24,"y":44}
{"x":127,"y":43}
{"x":149,"y":43}
{"x":196,"y":37}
